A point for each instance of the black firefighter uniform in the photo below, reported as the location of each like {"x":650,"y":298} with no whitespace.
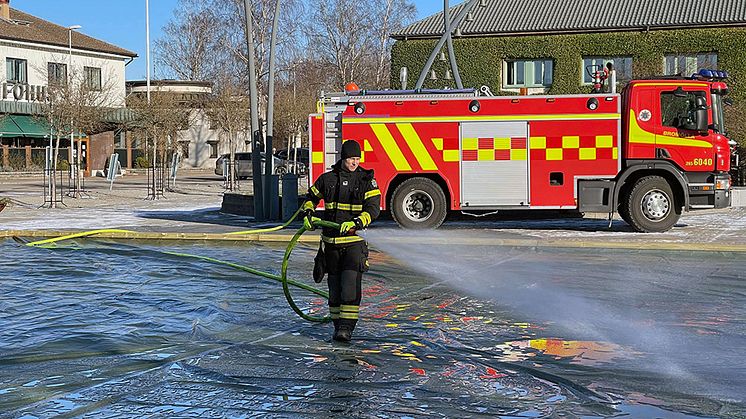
{"x":348,"y":196}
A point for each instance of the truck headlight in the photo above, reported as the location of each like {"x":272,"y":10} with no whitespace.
{"x":722,"y":184}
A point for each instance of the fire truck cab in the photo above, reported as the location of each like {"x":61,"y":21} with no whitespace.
{"x":649,"y":153}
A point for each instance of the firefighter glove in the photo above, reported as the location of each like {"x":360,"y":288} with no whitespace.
{"x":355,"y":224}
{"x":308,"y":214}
{"x":345,"y":227}
{"x":309,"y":222}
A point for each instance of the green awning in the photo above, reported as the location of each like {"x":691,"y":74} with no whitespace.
{"x":27,"y":126}
{"x":23,"y":126}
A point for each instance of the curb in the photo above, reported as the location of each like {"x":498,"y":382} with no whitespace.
{"x":279,"y":238}
{"x":267,"y":238}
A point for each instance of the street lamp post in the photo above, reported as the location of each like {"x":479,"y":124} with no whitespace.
{"x":147,"y":49}
{"x":75,"y":170}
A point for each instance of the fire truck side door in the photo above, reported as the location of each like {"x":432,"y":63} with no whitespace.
{"x":494,"y":164}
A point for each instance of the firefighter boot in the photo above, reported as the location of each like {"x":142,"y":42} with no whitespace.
{"x":344,"y":332}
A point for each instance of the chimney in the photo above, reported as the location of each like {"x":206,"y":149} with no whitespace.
{"x":5,"y":9}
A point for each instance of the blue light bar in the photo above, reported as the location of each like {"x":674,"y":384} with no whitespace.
{"x":710,"y":74}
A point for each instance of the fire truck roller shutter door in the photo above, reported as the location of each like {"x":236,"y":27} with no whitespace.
{"x":494,"y":168}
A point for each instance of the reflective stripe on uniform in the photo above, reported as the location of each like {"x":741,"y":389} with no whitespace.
{"x":343,"y":207}
{"x":349,"y":312}
{"x":316,"y":192}
{"x":334,"y":312}
{"x":365,"y":218}
{"x":372,"y":193}
{"x":341,"y":240}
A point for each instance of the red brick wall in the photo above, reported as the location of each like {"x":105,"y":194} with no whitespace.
{"x":101,"y":147}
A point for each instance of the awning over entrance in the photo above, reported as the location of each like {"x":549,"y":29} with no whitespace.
{"x":23,"y":126}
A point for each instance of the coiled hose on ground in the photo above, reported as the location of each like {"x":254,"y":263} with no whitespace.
{"x":282,"y":278}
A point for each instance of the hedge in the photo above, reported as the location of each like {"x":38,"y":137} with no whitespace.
{"x":480,"y":59}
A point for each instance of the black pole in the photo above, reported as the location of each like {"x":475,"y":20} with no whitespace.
{"x":268,"y":177}
{"x":256,"y":173}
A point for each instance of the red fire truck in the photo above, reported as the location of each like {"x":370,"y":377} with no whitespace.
{"x":648,"y":153}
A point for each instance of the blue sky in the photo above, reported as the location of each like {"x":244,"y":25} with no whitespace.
{"x":122,"y":22}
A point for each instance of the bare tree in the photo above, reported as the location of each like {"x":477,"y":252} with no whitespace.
{"x":322,"y":45}
{"x":78,"y":106}
{"x":158,"y":121}
{"x":228,"y":109}
{"x":191,"y":48}
{"x":296,"y":98}
{"x":353,"y":37}
{"x":389,"y":16}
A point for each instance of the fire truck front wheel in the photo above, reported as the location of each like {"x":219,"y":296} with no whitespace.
{"x":652,"y":206}
{"x":418,"y":203}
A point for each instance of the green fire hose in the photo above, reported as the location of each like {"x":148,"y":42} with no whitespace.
{"x":282,"y":278}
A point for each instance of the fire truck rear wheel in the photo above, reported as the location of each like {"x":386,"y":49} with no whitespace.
{"x":652,"y":206}
{"x":418,"y":203}
{"x":623,"y":208}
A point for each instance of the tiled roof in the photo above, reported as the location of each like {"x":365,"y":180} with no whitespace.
{"x":28,"y":28}
{"x":527,"y":17}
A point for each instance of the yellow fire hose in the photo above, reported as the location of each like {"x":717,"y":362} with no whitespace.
{"x":282,"y":278}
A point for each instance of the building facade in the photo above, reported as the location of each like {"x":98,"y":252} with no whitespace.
{"x":37,"y":56}
{"x":202,"y":140}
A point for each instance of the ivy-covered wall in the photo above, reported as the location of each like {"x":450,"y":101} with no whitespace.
{"x":480,"y":60}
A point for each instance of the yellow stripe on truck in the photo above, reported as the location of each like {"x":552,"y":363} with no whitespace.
{"x":547,"y":117}
{"x":418,"y":149}
{"x":390,"y":147}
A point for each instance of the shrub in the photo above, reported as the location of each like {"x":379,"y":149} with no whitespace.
{"x":141,"y":162}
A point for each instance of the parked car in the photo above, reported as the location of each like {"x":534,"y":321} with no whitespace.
{"x":244,"y":165}
{"x":300,"y":153}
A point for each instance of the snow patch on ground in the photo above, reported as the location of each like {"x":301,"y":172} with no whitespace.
{"x":726,"y":226}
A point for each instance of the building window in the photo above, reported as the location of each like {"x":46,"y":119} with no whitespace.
{"x":16,"y":70}
{"x":528,"y":73}
{"x":622,"y":65}
{"x":57,"y":74}
{"x":213,"y":149}
{"x":686,"y":65}
{"x":92,"y":78}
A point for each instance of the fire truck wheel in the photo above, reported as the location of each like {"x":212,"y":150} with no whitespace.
{"x":623,"y":208}
{"x":651,"y":205}
{"x":418,"y":203}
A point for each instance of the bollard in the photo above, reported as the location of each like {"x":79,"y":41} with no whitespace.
{"x":274,"y":197}
{"x":289,"y":195}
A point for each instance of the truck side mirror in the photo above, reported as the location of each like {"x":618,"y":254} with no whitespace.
{"x":701,"y":121}
{"x":700,"y":115}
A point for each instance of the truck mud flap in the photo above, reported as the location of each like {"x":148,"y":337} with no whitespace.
{"x":595,"y":195}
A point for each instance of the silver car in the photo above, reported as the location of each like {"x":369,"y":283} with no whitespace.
{"x":244,"y":165}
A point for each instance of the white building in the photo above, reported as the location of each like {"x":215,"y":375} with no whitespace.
{"x":35,"y":54}
{"x":202,"y":142}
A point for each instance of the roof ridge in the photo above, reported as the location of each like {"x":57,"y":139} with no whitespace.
{"x":569,"y":16}
{"x":45,"y":32}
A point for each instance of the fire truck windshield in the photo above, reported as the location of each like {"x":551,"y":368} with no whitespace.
{"x":717,"y":113}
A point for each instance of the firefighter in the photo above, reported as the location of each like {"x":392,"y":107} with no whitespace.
{"x":353,"y":200}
